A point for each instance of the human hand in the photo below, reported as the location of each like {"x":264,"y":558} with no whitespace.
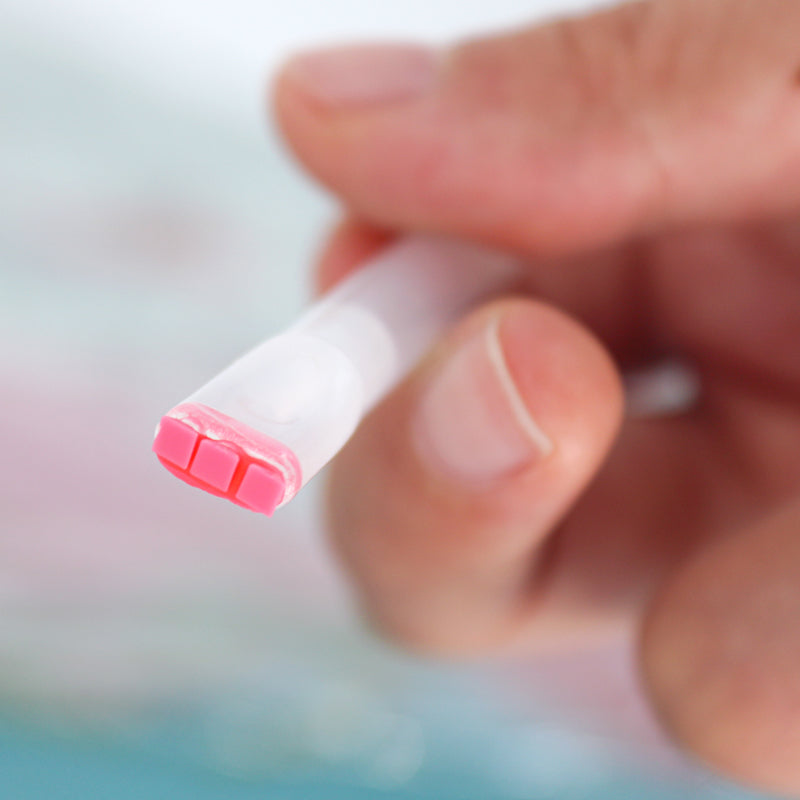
{"x":646,"y":162}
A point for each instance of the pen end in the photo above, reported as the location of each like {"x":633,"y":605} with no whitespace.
{"x":220,"y":455}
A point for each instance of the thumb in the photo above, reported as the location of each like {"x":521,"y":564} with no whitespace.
{"x":569,"y":135}
{"x":442,"y":504}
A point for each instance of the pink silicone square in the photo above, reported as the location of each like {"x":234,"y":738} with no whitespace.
{"x":261,"y":489}
{"x":215,"y":464}
{"x":175,"y":442}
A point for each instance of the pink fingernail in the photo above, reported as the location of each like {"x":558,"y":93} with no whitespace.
{"x":472,"y":424}
{"x":364,"y":75}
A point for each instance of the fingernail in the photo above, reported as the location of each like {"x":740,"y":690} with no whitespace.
{"x":472,"y":425}
{"x":365,"y":75}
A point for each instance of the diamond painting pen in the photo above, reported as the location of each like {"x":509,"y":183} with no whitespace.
{"x":258,"y":431}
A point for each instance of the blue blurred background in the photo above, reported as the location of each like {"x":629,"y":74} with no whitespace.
{"x":156,"y":642}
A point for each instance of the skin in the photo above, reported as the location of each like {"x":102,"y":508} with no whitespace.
{"x":645,"y":161}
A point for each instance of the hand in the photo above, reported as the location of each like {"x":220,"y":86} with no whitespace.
{"x":646,"y":162}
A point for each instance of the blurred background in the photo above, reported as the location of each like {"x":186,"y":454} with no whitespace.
{"x":156,"y":642}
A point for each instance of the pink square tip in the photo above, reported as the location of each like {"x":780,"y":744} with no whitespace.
{"x":175,"y":442}
{"x":261,"y":489}
{"x":224,"y":463}
{"x":215,"y":464}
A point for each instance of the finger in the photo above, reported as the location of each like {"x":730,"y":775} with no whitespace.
{"x":566,"y":136}
{"x":442,"y":501}
{"x":721,"y":649}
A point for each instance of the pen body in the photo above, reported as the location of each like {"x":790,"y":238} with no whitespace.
{"x":307,"y":389}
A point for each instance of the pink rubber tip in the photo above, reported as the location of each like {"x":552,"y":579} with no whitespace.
{"x":261,"y":489}
{"x":175,"y":442}
{"x":224,"y":457}
{"x":215,"y":464}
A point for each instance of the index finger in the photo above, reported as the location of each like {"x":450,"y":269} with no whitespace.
{"x":563,"y":137}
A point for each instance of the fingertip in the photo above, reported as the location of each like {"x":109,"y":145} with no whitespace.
{"x":524,"y":393}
